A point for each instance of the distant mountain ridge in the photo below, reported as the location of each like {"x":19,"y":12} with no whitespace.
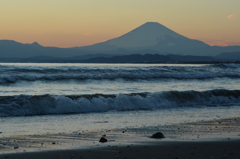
{"x":149,"y":38}
{"x":229,"y":56}
{"x":133,"y":58}
{"x":13,"y":49}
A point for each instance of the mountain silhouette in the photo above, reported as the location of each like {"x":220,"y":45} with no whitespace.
{"x":12,"y":49}
{"x":152,"y":36}
{"x":148,"y":34}
{"x":149,"y":38}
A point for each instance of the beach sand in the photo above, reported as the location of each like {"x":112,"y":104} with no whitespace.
{"x":205,"y":139}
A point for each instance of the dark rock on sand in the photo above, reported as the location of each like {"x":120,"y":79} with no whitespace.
{"x":103,"y":140}
{"x":157,"y":135}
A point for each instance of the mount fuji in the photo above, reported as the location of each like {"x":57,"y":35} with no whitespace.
{"x":154,"y":37}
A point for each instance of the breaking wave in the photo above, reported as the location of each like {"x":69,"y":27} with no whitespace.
{"x":15,"y":74}
{"x":118,"y":75}
{"x":24,"y":105}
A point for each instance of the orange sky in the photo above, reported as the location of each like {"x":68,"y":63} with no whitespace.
{"x":78,"y":23}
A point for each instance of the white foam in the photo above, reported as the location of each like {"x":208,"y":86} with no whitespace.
{"x":42,"y":105}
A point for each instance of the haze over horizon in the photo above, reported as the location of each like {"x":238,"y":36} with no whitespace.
{"x":81,"y":23}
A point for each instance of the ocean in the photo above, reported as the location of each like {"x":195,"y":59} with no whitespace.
{"x":63,"y":98}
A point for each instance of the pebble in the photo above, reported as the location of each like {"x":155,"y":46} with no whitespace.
{"x":102,"y":140}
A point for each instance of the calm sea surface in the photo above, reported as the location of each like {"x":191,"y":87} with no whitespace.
{"x":52,"y":98}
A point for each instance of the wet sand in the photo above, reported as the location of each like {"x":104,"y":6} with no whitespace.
{"x":205,"y":139}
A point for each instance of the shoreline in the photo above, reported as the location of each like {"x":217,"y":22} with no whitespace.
{"x":221,"y":133}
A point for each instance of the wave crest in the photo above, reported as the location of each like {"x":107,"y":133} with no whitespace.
{"x":51,"y":104}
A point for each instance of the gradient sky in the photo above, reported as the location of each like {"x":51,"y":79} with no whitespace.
{"x":69,"y":23}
